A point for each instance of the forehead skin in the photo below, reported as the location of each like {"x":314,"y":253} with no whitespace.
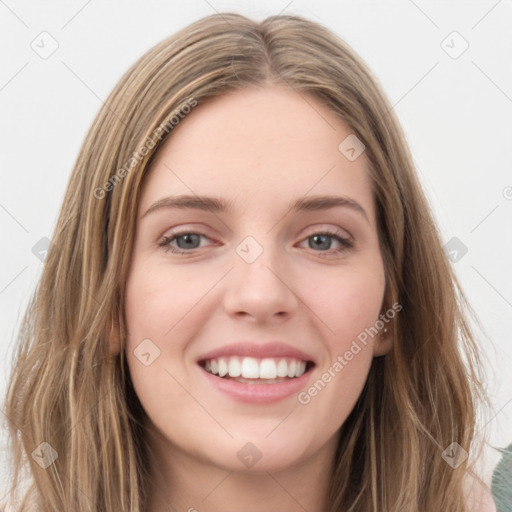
{"x":260,"y":148}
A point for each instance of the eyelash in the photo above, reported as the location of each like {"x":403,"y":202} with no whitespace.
{"x":345,"y":243}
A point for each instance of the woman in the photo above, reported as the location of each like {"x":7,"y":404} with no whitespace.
{"x":246,"y":302}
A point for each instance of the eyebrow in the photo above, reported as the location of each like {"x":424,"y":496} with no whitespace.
{"x":219,"y":205}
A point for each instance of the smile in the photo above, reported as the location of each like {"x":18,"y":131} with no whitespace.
{"x":252,"y":370}
{"x":256,"y":372}
{"x":253,"y":380}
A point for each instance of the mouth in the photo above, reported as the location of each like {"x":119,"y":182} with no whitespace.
{"x":256,"y":373}
{"x":252,"y":370}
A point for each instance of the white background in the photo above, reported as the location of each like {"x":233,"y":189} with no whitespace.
{"x":456,"y":113}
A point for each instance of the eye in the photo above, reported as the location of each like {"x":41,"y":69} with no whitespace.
{"x":187,"y":241}
{"x":323,"y":241}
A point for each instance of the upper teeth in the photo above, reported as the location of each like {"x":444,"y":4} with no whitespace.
{"x":252,"y":368}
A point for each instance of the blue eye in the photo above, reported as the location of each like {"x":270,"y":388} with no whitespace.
{"x":188,"y":241}
{"x":323,"y":241}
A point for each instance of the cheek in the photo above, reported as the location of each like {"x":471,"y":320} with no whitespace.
{"x":346,"y":302}
{"x":158,"y":304}
{"x":158,"y":301}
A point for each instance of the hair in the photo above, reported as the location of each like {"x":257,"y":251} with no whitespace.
{"x":68,"y":390}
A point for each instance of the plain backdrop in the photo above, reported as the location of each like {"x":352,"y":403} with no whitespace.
{"x":444,"y":65}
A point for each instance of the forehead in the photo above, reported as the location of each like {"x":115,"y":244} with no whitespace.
{"x":258,"y":147}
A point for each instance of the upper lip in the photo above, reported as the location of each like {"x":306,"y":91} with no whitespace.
{"x":272,"y":349}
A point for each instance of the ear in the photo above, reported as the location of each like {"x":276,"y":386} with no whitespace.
{"x":115,"y":338}
{"x":383,"y":342}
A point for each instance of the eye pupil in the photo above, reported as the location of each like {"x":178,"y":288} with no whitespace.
{"x":324,"y":241}
{"x":190,"y":237}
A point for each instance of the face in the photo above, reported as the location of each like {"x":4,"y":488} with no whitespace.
{"x":254,"y":283}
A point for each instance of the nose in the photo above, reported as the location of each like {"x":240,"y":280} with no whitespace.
{"x":263,"y":290}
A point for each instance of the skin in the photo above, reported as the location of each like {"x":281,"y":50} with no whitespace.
{"x":260,"y":148}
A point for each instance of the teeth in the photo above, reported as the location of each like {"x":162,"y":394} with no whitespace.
{"x":223,"y":367}
{"x":252,"y":368}
{"x":282,"y":368}
{"x":268,"y":369}
{"x":292,"y":367}
{"x":234,"y":367}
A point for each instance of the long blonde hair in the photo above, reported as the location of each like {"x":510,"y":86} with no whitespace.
{"x":67,"y":390}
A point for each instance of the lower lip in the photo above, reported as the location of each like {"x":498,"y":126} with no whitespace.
{"x":257,"y":393}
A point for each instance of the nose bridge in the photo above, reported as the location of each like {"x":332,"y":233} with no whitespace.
{"x":250,"y":250}
{"x":259,"y":258}
{"x":259,"y":284}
